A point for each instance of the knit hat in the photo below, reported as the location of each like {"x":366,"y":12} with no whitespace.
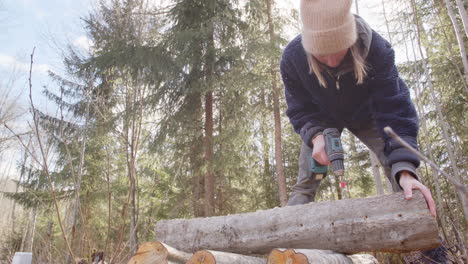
{"x":327,"y":26}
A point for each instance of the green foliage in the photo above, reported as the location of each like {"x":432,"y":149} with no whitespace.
{"x":138,"y":99}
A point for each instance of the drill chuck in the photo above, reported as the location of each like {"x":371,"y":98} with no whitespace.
{"x":334,"y":150}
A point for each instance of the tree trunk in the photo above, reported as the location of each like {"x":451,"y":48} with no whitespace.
{"x":209,"y":74}
{"x":357,"y":7}
{"x":29,"y":241}
{"x":77,"y":183}
{"x":157,"y":252}
{"x":314,"y":256}
{"x":216,"y":257}
{"x":276,"y":113}
{"x":436,"y":101}
{"x":196,"y":155}
{"x":450,"y":47}
{"x":440,"y":115}
{"x":25,"y":233}
{"x":337,"y":180}
{"x":376,"y":173}
{"x":133,"y":218}
{"x":463,"y":15}
{"x":346,"y":226}
{"x":459,"y":35}
{"x":49,"y":240}
{"x":386,"y":22}
{"x":268,"y":184}
{"x":422,"y":118}
{"x":209,"y":176}
{"x":22,"y":173}
{"x":134,"y":95}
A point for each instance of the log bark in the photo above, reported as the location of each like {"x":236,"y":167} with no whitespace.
{"x":315,"y":256}
{"x":216,"y":257}
{"x":363,"y":259}
{"x":381,"y":223}
{"x":157,"y":252}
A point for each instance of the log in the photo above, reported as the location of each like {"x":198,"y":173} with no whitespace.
{"x":363,"y":258}
{"x":315,"y":256}
{"x":216,"y":257}
{"x":387,"y":223}
{"x":157,"y":252}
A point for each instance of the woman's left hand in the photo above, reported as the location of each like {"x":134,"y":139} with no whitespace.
{"x":409,"y":183}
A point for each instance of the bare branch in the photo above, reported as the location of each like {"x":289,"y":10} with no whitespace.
{"x":461,"y":188}
{"x":44,"y":158}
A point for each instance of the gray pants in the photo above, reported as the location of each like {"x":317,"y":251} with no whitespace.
{"x":307,"y":184}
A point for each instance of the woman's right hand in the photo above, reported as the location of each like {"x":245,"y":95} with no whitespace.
{"x":318,"y":151}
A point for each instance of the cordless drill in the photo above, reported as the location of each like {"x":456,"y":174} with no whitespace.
{"x":335,"y":154}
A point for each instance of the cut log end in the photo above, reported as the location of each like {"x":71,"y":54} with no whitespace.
{"x":316,"y":256}
{"x":157,"y":252}
{"x":288,"y":256}
{"x":151,"y":252}
{"x":202,"y":257}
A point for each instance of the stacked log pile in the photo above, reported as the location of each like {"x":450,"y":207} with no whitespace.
{"x":160,"y":253}
{"x":326,"y":232}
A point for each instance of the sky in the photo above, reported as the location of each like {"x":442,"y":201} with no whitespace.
{"x":49,"y":25}
{"x":46,"y":25}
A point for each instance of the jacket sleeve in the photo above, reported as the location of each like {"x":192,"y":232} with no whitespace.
{"x":303,"y":114}
{"x":392,"y":106}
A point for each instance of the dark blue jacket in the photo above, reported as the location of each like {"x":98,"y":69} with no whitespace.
{"x":382,"y":99}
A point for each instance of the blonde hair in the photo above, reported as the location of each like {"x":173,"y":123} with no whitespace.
{"x":358,"y":62}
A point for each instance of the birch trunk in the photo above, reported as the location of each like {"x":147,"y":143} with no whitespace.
{"x":386,"y":22}
{"x":460,"y":195}
{"x":459,"y":35}
{"x":422,"y":118}
{"x":357,"y":7}
{"x":434,"y":98}
{"x":463,"y":15}
{"x":276,"y":113}
{"x":450,"y":47}
{"x":376,"y":173}
{"x":346,"y":226}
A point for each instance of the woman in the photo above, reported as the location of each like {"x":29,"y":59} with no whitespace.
{"x":339,"y":73}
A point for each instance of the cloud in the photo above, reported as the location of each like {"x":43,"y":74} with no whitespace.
{"x":8,"y":61}
{"x":83,"y":42}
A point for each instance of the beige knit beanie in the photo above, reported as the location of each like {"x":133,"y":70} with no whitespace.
{"x":327,"y":26}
